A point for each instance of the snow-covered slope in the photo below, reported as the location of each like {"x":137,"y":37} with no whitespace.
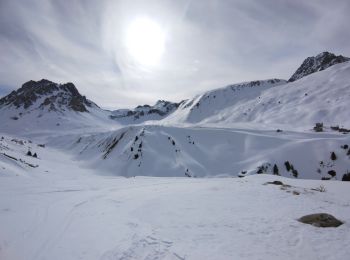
{"x":213,"y":102}
{"x":319,"y":97}
{"x":75,"y":214}
{"x":320,"y":62}
{"x":199,"y":152}
{"x":45,"y":106}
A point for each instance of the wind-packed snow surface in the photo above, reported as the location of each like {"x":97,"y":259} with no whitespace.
{"x":60,"y":210}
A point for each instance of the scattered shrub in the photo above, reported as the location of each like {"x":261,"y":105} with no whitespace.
{"x":333,"y":156}
{"x":345,"y":146}
{"x":136,"y":156}
{"x":275,"y":170}
{"x":332,"y":173}
{"x":295,"y":173}
{"x":288,"y":166}
{"x":346,"y":177}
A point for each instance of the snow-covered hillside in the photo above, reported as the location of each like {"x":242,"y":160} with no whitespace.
{"x":213,"y":102}
{"x":203,"y":152}
{"x":319,"y":97}
{"x":68,"y":212}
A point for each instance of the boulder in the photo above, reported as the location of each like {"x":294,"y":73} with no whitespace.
{"x":320,"y":220}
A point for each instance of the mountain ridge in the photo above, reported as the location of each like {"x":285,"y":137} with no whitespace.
{"x":55,"y":96}
{"x":316,"y":63}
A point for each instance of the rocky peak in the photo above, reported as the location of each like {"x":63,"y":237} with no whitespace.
{"x":162,"y":108}
{"x":320,"y":62}
{"x":47,"y":94}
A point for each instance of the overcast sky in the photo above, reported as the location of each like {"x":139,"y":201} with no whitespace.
{"x":208,"y":44}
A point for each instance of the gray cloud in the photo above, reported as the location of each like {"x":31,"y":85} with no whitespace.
{"x":208,"y":44}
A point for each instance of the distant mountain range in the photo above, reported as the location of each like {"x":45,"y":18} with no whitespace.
{"x":46,"y":96}
{"x":239,"y":129}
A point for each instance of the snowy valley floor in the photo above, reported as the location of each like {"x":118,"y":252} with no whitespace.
{"x":77,"y":214}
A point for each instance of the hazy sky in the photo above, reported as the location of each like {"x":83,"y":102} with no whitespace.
{"x":208,"y":44}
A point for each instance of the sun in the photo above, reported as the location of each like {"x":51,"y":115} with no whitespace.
{"x":145,"y":41}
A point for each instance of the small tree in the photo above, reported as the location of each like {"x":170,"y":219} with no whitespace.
{"x":333,"y":156}
{"x":295,"y":173}
{"x":346,"y":177}
{"x":275,"y":170}
{"x":332,"y":173}
{"x":35,"y":155}
{"x":29,"y":153}
{"x":287,"y":164}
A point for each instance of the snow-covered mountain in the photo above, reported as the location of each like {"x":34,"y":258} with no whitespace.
{"x":320,"y":62}
{"x":62,"y":159}
{"x":223,"y":132}
{"x":47,"y":106}
{"x":318,"y":97}
{"x":144,"y":113}
{"x":211,"y":103}
{"x":47,"y":96}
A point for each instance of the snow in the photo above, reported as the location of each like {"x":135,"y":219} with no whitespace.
{"x":167,"y":186}
{"x":71,"y":213}
{"x":319,"y":97}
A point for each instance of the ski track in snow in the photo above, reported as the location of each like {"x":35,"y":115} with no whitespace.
{"x":49,"y":217}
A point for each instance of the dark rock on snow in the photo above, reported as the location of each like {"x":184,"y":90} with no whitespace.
{"x":321,"y":220}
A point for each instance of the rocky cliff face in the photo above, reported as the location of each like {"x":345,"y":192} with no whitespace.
{"x":45,"y":94}
{"x":320,"y":62}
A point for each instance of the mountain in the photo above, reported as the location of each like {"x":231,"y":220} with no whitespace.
{"x":318,"y":97}
{"x":47,"y":95}
{"x":320,"y":62}
{"x":143,"y":113}
{"x":211,"y":103}
{"x":44,"y":105}
{"x":228,"y":131}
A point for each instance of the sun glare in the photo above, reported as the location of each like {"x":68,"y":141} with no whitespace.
{"x":145,"y":41}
